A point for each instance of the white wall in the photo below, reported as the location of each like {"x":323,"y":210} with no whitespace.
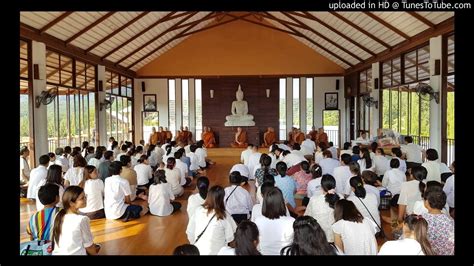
{"x":374,"y":123}
{"x":435,"y":83}
{"x":39,"y":114}
{"x":159,"y":87}
{"x":321,"y":86}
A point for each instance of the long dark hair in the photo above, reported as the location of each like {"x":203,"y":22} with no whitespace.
{"x":346,"y":210}
{"x":328,"y":183}
{"x":358,"y":185}
{"x":71,"y":194}
{"x":55,"y":175}
{"x":88,"y":170}
{"x":215,"y":202}
{"x":202,"y":185}
{"x":366,"y":157}
{"x":309,"y":239}
{"x":419,"y":225}
{"x":245,"y":237}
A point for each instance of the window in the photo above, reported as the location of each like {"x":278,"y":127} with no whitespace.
{"x":185,"y":101}
{"x":172,"y":105}
{"x":296,"y":102}
{"x":365,"y":87}
{"x":119,"y":114}
{"x":24,"y":97}
{"x":198,"y":88}
{"x":309,"y":104}
{"x":282,"y":116}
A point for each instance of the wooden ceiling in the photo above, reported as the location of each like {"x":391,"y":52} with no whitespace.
{"x":128,"y":41}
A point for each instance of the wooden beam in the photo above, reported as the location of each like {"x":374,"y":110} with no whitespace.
{"x":214,"y":25}
{"x":387,"y":25}
{"x":172,"y":28}
{"x":54,"y":43}
{"x":161,"y":20}
{"x":184,"y":25}
{"x":269,"y":16}
{"x":117,"y":31}
{"x":323,"y":37}
{"x":310,"y":16}
{"x":177,"y":36}
{"x":263,"y":25}
{"x":425,"y":21}
{"x":355,"y":26}
{"x":299,"y":34}
{"x":444,"y":27}
{"x":61,"y":67}
{"x":93,"y":24}
{"x":54,"y":22}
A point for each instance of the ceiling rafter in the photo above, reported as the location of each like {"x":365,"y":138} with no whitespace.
{"x":184,"y":25}
{"x":161,"y":20}
{"x":262,"y":24}
{"x":179,"y":35}
{"x":93,"y":24}
{"x":214,"y":25}
{"x":23,"y":70}
{"x":324,"y":37}
{"x":387,"y":25}
{"x":54,"y":22}
{"x":310,"y":16}
{"x":172,"y":28}
{"x":299,"y":25}
{"x":358,"y":28}
{"x":117,"y":31}
{"x":425,"y":21}
{"x":315,"y":43}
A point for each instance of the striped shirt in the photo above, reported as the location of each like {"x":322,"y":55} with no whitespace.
{"x":42,"y":223}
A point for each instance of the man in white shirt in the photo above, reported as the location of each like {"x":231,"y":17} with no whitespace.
{"x":117,"y":203}
{"x":449,"y":190}
{"x":308,"y":147}
{"x":414,"y":154}
{"x":37,"y":175}
{"x":432,"y":166}
{"x":244,"y":156}
{"x":254,"y":162}
{"x":237,"y":200}
{"x":328,"y":164}
{"x":333,"y":150}
{"x":61,"y":159}
{"x":24,"y":165}
{"x":363,"y":137}
{"x":342,"y":174}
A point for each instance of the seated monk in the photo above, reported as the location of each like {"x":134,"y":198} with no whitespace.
{"x":291,"y":136}
{"x":161,"y":136}
{"x":240,"y":140}
{"x":180,"y":136}
{"x":269,"y":137}
{"x":208,"y":138}
{"x":298,"y":137}
{"x":154,"y":136}
{"x":168,"y":135}
{"x":314,"y":134}
{"x":189,"y":135}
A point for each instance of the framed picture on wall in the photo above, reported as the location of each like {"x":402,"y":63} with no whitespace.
{"x":149,"y":102}
{"x":330,"y":101}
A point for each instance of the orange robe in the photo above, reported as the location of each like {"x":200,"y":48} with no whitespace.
{"x":168,"y":135}
{"x":242,"y":138}
{"x":161,"y":137}
{"x":209,"y":139}
{"x":185,"y":137}
{"x":290,"y":138}
{"x":268,"y":139}
{"x":323,"y":137}
{"x":179,"y":137}
{"x":153,"y":138}
{"x":299,"y":138}
{"x":314,"y":135}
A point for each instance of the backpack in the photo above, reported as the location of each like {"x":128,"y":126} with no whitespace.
{"x":36,"y":248}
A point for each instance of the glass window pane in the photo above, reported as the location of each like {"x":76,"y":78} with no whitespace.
{"x":185,"y":101}
{"x":415,"y":113}
{"x":296,"y":102}
{"x":309,"y":104}
{"x":24,"y":120}
{"x":425,"y":118}
{"x":282,"y":116}
{"x":386,"y":108}
{"x":395,"y":110}
{"x":92,"y":128}
{"x":172,"y":105}
{"x":198,"y":88}
{"x":404,"y":112}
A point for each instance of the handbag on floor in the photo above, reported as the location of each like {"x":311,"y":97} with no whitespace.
{"x":36,"y":248}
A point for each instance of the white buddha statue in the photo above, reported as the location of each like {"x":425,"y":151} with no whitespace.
{"x":239,"y":110}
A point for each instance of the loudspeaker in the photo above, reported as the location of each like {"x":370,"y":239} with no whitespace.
{"x":143,"y":86}
{"x":376,"y":83}
{"x":337,"y":84}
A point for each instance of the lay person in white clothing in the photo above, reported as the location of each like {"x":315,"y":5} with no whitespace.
{"x":397,"y":154}
{"x":314,"y":186}
{"x":54,"y":176}
{"x":197,"y":199}
{"x":242,"y":169}
{"x":160,"y":196}
{"x":173,"y":177}
{"x":117,"y":203}
{"x":37,"y":175}
{"x":186,"y":250}
{"x":449,"y":190}
{"x":75,"y":175}
{"x":414,"y":154}
{"x":246,"y":241}
{"x":94,"y":190}
{"x":237,"y":200}
{"x":433,"y":167}
{"x":211,"y":227}
{"x":342,"y":174}
{"x":329,"y":163}
{"x":24,"y":165}
{"x":244,"y":156}
{"x":371,"y":184}
{"x":264,"y":188}
{"x":415,"y":239}
{"x":419,"y":207}
{"x":309,"y":239}
{"x":393,"y":179}
{"x":144,"y":173}
{"x":71,"y":233}
{"x":275,"y":228}
{"x":366,"y":203}
{"x":353,"y":234}
{"x":381,"y":163}
{"x":410,"y":192}
{"x":365,"y":162}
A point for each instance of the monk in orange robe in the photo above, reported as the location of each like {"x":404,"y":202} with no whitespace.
{"x":291,"y":136}
{"x":269,"y":137}
{"x":161,"y":136}
{"x":314,"y":134}
{"x":189,"y":136}
{"x":153,"y":136}
{"x":180,"y":135}
{"x":168,"y":135}
{"x":208,"y":138}
{"x":322,"y":136}
{"x":298,"y":137}
{"x":240,"y":140}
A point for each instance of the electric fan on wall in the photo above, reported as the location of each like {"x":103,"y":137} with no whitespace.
{"x":426,"y":92}
{"x":46,"y":97}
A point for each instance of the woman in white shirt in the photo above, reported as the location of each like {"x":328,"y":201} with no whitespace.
{"x":173,"y":177}
{"x":366,"y":203}
{"x":75,"y":175}
{"x":144,"y":171}
{"x":321,"y":207}
{"x":197,"y":199}
{"x":275,"y":228}
{"x":309,"y":239}
{"x":366,"y":162}
{"x":211,"y":227}
{"x":237,"y":200}
{"x":419,"y":207}
{"x":353,"y":234}
{"x":71,"y":233}
{"x":432,"y":166}
{"x":246,"y":241}
{"x":54,"y":176}
{"x":394,"y":178}
{"x":414,"y":241}
{"x":160,"y":196}
{"x":94,"y":190}
{"x":314,"y":186}
{"x":410,"y":192}
{"x":381,"y":162}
